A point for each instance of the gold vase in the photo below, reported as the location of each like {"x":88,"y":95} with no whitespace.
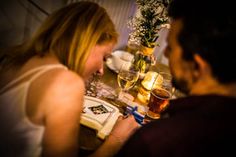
{"x":144,"y":58}
{"x":147,"y":50}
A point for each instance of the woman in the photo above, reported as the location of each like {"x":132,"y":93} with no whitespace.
{"x":42,"y":84}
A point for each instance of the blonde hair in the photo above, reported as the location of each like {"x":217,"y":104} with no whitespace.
{"x":69,"y":33}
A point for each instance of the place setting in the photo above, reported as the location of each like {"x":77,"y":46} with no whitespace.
{"x":119,"y":58}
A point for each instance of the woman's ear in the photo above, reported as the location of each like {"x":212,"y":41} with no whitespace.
{"x":202,"y":67}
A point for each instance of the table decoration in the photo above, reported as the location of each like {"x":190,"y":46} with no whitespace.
{"x":151,"y":16}
{"x":151,"y":79}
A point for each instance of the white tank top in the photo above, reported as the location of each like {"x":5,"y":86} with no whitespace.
{"x":18,"y":135}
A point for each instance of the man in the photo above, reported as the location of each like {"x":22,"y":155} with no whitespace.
{"x":201,"y":56}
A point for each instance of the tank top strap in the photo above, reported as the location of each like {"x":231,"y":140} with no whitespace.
{"x":41,"y":70}
{"x":45,"y":69}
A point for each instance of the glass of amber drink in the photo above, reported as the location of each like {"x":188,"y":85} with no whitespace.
{"x":158,"y":102}
{"x":160,"y":95}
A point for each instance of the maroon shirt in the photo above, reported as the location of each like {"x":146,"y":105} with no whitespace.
{"x":197,"y":126}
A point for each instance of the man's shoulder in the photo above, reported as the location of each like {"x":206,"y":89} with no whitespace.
{"x":201,"y":100}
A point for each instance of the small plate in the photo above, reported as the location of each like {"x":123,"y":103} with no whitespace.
{"x":119,"y":58}
{"x":124,"y":55}
{"x":110,"y":65}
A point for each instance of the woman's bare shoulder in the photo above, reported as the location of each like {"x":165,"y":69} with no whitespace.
{"x":58,"y":90}
{"x":67,"y":78}
{"x":61,"y":105}
{"x":60,"y":82}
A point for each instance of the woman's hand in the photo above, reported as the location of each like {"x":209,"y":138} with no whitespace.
{"x":125,"y":126}
{"x":122,"y":130}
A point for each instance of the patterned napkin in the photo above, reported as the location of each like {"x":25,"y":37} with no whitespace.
{"x":95,"y":88}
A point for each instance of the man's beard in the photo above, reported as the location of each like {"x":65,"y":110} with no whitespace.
{"x":181,"y":85}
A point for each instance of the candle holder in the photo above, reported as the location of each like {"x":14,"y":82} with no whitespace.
{"x":151,"y":79}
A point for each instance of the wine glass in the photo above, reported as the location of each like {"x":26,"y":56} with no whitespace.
{"x":127,"y":77}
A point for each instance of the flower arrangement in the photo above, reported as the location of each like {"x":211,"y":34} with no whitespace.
{"x":150,"y":18}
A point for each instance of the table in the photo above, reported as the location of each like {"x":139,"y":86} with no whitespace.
{"x":87,"y":138}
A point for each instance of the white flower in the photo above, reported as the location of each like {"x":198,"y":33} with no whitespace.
{"x":151,"y":16}
{"x":159,"y":9}
{"x":167,"y":25}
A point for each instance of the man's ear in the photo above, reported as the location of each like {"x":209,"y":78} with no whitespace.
{"x":202,"y":67}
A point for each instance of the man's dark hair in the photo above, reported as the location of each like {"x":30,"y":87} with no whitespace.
{"x":209,"y":29}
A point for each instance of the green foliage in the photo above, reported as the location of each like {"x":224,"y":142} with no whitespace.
{"x":151,"y":18}
{"x":142,"y":62}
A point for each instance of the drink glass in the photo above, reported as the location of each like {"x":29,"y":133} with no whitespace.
{"x":127,"y":77}
{"x":164,"y":82}
{"x":158,"y":102}
{"x":161,"y":93}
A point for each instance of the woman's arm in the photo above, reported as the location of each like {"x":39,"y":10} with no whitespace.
{"x":63,"y":101}
{"x":122,"y":130}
